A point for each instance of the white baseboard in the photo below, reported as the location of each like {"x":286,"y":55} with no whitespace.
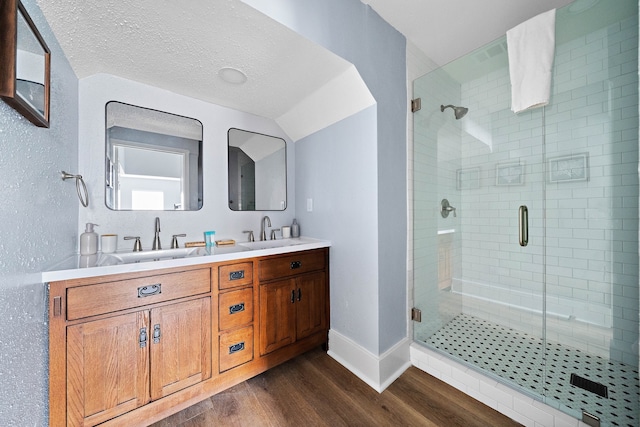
{"x":377,"y":371}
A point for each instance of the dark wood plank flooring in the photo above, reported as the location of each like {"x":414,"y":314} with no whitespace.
{"x":315,"y":390}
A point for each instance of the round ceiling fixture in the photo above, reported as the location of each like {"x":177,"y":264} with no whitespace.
{"x":232,"y":75}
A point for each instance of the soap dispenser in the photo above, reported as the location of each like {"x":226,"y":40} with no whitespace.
{"x":295,"y":229}
{"x":89,"y":240}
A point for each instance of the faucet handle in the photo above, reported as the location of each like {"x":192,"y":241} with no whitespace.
{"x":174,"y":241}
{"x":250,"y":237}
{"x":137,"y":246}
{"x":273,"y":233}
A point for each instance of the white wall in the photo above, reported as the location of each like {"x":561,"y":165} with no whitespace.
{"x":96,"y":91}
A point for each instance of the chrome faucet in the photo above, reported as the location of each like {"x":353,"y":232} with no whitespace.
{"x":156,"y":240}
{"x":263,"y":233}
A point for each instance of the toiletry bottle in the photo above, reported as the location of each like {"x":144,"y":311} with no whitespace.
{"x":89,"y":240}
{"x":295,"y":229}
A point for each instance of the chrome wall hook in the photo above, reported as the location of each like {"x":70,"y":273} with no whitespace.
{"x":79,"y":181}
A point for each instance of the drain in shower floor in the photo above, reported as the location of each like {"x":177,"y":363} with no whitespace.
{"x":587,"y":384}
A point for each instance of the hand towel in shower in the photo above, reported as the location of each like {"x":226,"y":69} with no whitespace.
{"x":531,"y":47}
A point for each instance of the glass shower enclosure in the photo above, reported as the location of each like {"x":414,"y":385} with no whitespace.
{"x":526,"y":225}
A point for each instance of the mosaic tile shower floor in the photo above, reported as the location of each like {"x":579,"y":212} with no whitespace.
{"x":519,"y":357}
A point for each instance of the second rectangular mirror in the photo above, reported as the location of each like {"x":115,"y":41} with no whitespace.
{"x":257,"y":171}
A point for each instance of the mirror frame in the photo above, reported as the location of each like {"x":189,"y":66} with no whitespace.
{"x":286,"y":182}
{"x":9,"y":10}
{"x":110,"y":171}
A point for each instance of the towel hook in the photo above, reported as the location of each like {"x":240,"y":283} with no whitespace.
{"x":79,"y":181}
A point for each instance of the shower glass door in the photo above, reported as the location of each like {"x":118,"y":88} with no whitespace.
{"x":556,"y":318}
{"x":487,"y":307}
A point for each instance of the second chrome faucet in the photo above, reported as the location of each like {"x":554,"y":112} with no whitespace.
{"x":156,"y":240}
{"x":263,"y":232}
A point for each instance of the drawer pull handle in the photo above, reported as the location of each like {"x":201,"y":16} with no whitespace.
{"x":236,"y":275}
{"x":299,"y":294}
{"x":236,"y":308}
{"x":236,"y":347}
{"x":293,"y":296}
{"x":296,"y":264}
{"x":147,"y":291}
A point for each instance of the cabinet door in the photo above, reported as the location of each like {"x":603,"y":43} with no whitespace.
{"x":310,"y":304}
{"x":107,"y":369}
{"x":180,"y":341}
{"x":277,"y":315}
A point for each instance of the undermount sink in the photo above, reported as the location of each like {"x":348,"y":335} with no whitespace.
{"x":269,"y":244}
{"x":119,"y":258}
{"x":146,"y":256}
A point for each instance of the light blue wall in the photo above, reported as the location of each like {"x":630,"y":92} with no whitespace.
{"x":38,"y":219}
{"x":340,"y":174}
{"x":355,"y":32}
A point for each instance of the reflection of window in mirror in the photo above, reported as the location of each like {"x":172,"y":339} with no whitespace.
{"x":153,"y":160}
{"x":257,"y":171}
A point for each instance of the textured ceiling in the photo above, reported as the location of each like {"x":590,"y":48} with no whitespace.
{"x":448,"y":29}
{"x":181,"y":46}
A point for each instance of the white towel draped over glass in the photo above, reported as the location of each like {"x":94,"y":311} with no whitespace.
{"x":531,"y":48}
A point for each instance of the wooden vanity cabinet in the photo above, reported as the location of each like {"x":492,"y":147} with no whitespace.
{"x":107,"y":370}
{"x":111,"y":362}
{"x":294,"y":308}
{"x":130,"y":349}
{"x":235,"y":315}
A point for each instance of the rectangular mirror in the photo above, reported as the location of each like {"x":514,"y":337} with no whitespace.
{"x":25,"y":62}
{"x":153,"y":160}
{"x":257,"y":171}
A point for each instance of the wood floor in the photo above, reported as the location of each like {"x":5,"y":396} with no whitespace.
{"x":315,"y":390}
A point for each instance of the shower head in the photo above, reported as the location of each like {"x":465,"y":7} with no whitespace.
{"x":459,"y":112}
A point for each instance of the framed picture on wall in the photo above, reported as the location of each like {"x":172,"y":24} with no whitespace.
{"x":511,"y":173}
{"x":468,"y":179}
{"x":569,"y":168}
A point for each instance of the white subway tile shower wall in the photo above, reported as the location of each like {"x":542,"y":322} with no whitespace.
{"x":591,"y":226}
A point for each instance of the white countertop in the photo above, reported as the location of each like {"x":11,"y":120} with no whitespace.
{"x":77,"y":266}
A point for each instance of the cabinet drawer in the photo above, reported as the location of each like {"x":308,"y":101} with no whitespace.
{"x":235,"y":275}
{"x":100,"y":298}
{"x":235,"y":308}
{"x":236,"y":348}
{"x":298,"y":263}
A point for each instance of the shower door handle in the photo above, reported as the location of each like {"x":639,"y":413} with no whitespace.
{"x":523,"y":226}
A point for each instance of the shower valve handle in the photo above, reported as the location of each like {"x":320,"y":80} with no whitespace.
{"x":446,"y":209}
